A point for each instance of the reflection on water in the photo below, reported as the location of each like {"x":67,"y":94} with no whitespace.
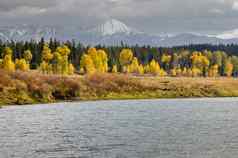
{"x":196,"y":128}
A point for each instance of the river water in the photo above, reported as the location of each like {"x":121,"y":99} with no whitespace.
{"x":176,"y":128}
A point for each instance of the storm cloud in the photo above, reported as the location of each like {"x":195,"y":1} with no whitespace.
{"x":150,"y":15}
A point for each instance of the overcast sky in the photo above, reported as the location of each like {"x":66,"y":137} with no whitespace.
{"x":154,"y":16}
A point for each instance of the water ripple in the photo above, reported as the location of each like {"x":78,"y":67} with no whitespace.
{"x":181,"y":128}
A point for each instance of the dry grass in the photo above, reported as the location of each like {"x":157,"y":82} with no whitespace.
{"x":33,"y":87}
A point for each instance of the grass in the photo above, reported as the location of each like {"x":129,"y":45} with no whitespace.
{"x":21,"y":88}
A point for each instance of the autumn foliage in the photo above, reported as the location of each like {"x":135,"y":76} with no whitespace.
{"x":184,"y":63}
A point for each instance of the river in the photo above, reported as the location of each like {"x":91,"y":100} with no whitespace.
{"x":173,"y":128}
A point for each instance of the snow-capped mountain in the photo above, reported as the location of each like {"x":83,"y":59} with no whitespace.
{"x":26,"y":33}
{"x":111,"y":32}
{"x":112,"y":27}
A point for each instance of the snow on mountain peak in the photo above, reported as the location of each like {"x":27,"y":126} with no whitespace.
{"x":111,"y":27}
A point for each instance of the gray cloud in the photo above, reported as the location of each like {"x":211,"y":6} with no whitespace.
{"x":150,"y":15}
{"x":11,"y":5}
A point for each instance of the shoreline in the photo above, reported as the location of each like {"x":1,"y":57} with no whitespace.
{"x":117,"y":99}
{"x":120,"y":100}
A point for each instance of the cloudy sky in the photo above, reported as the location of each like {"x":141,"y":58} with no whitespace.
{"x":154,"y":16}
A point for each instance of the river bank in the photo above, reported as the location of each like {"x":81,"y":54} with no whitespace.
{"x":32,"y":87}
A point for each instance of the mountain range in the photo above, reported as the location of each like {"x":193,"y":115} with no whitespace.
{"x":112,"y":32}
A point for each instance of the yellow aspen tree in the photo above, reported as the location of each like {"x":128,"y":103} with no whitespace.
{"x":64,"y":52}
{"x":7,"y":51}
{"x":21,"y":64}
{"x":179,"y":71}
{"x":213,"y":71}
{"x":205,"y":64}
{"x":87,"y":64}
{"x":92,"y":52}
{"x":195,"y":58}
{"x":47,"y":56}
{"x":125,"y":58}
{"x":44,"y":67}
{"x":114,"y":69}
{"x":128,"y":69}
{"x":27,"y":56}
{"x":201,"y":62}
{"x":1,"y":63}
{"x":134,"y":67}
{"x":210,"y":72}
{"x":189,"y":73}
{"x":57,"y":63}
{"x":166,"y":59}
{"x":102,"y":61}
{"x":81,"y":71}
{"x":162,"y":73}
{"x":65,"y":65}
{"x":216,"y":70}
{"x":196,"y":72}
{"x":71,"y":69}
{"x":229,"y":69}
{"x":46,"y":53}
{"x":99,"y":58}
{"x":141,"y":70}
{"x":173,"y":72}
{"x":185,"y":72}
{"x":154,"y":67}
{"x":124,"y":69}
{"x":7,"y":62}
{"x":147,"y":69}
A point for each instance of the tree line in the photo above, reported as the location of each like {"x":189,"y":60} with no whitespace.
{"x":55,"y":57}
